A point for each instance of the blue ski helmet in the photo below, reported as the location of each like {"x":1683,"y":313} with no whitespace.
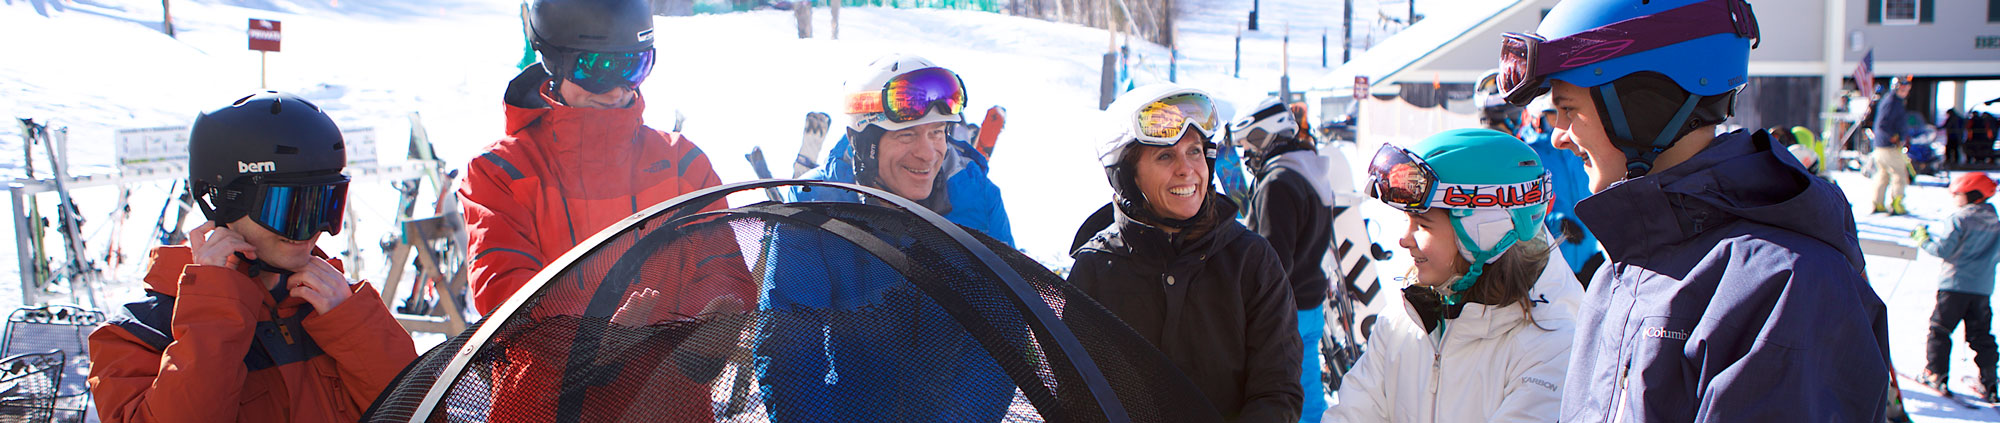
{"x":1657,"y":69}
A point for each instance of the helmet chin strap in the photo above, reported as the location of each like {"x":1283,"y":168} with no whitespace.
{"x":1639,"y":157}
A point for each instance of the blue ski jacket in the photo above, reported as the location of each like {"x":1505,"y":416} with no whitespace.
{"x":973,"y":200}
{"x":1733,"y":291}
{"x":851,"y":340}
{"x":1572,"y":185}
{"x":1970,"y":246}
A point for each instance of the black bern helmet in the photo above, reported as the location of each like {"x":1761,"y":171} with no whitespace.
{"x":261,"y":138}
{"x":604,"y":26}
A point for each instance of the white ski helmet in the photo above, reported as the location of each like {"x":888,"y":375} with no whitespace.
{"x":873,"y":79}
{"x":1258,"y":126}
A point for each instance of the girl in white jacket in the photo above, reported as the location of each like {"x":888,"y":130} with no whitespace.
{"x":1486,"y":324}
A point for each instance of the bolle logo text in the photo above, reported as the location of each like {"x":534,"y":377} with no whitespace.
{"x":1508,"y":196}
{"x":258,"y":167}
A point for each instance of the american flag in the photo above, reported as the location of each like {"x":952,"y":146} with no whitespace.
{"x":1864,"y":75}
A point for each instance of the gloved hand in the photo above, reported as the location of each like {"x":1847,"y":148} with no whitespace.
{"x":1922,"y":234}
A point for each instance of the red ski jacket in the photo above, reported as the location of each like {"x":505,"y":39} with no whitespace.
{"x":561,"y":175}
{"x":211,"y":345}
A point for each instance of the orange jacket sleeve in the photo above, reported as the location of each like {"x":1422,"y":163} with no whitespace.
{"x":700,"y":173}
{"x":499,"y":229}
{"x":366,"y":343}
{"x":201,"y":374}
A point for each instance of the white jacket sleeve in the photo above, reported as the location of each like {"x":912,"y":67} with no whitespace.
{"x":1363,"y":395}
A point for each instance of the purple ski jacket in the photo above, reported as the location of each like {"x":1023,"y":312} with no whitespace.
{"x":1733,"y":292}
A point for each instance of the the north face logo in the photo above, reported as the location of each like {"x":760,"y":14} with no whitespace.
{"x":258,"y":167}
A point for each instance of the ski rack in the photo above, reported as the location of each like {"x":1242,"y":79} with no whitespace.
{"x":145,"y":155}
{"x":438,"y":245}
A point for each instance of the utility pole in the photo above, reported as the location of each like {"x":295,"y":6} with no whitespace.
{"x":1253,"y":15}
{"x":1346,"y":32}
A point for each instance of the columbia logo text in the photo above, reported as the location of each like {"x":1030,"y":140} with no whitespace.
{"x":1660,"y":332}
{"x":258,"y":167}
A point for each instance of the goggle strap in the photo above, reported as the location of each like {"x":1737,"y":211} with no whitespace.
{"x":864,"y":102}
{"x":1669,"y":27}
{"x":1543,"y":183}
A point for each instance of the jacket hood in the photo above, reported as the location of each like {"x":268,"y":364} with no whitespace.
{"x":1311,"y":165}
{"x":531,"y":106}
{"x":165,"y":263}
{"x":1739,"y":176}
{"x":1137,"y":239}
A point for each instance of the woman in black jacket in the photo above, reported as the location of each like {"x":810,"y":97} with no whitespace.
{"x":1177,"y":267}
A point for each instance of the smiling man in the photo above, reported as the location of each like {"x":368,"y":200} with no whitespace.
{"x":1734,"y":289}
{"x":900,"y":108}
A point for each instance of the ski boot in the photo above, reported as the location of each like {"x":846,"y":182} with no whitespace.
{"x":1934,"y":381}
{"x":1879,"y":209}
{"x":1896,"y":207}
{"x":1986,"y":392}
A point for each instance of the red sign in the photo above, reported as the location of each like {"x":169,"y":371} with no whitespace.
{"x":1360,"y":88}
{"x":264,"y":35}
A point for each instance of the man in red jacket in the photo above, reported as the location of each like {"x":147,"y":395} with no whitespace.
{"x":249,"y":321}
{"x":577,"y":156}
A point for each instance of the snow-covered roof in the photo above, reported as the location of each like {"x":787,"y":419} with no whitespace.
{"x":1408,"y":55}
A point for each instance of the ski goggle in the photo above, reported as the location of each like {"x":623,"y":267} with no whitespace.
{"x":1526,"y":60}
{"x":1162,"y":122}
{"x":911,"y":95}
{"x":601,"y":72}
{"x":1404,"y":181}
{"x":297,"y":211}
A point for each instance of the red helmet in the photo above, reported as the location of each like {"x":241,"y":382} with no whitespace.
{"x":1973,"y":181}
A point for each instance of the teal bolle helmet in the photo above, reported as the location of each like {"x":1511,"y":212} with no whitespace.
{"x":1471,"y":164}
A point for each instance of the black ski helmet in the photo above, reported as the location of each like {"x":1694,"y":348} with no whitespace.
{"x":260,"y":138}
{"x":559,"y":29}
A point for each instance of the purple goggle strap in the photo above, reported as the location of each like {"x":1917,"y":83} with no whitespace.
{"x":1646,"y":33}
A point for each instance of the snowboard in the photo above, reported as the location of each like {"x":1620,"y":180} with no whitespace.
{"x":989,"y":130}
{"x":1961,"y":399}
{"x":817,"y":125}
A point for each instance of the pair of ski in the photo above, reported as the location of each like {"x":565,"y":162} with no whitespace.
{"x":817,"y":125}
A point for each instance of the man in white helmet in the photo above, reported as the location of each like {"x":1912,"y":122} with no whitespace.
{"x":900,"y":109}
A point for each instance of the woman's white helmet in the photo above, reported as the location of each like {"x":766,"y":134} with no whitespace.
{"x":874,"y":78}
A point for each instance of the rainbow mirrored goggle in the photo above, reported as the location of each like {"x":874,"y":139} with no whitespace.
{"x":1404,"y":181}
{"x":1526,"y":60}
{"x":601,"y":72}
{"x":1162,"y":122}
{"x":911,"y":95}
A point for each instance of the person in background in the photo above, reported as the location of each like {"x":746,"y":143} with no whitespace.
{"x":1176,"y":266}
{"x":1892,"y":172}
{"x":1954,"y":136}
{"x":1734,"y":286}
{"x":1969,"y":247}
{"x":577,"y":156}
{"x":1291,"y":206}
{"x":250,"y":321}
{"x":1489,"y":303}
